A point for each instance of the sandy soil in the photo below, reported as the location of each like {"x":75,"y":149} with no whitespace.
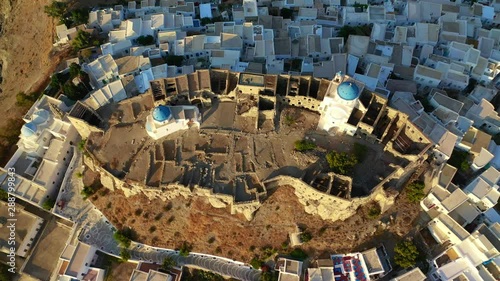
{"x":26,"y":52}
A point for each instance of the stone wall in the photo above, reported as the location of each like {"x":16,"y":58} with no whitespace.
{"x":301,"y":102}
{"x":83,"y":128}
{"x":315,"y":202}
{"x":327,"y":206}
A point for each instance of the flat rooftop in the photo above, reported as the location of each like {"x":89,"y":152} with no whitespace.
{"x":45,"y":256}
{"x":25,"y":221}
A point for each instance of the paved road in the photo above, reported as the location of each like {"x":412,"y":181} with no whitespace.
{"x":216,"y":264}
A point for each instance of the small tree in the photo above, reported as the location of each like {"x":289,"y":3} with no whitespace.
{"x":305,"y":236}
{"x":345,"y":31}
{"x":56,"y":9}
{"x":81,"y":40}
{"x":23,"y":99}
{"x":289,"y":120}
{"x":79,"y":16}
{"x":146,"y":40}
{"x":256,"y":263}
{"x":268,"y":276}
{"x":74,"y":70}
{"x":81,"y":144}
{"x":405,"y":254}
{"x":341,"y":162}
{"x":123,"y":237}
{"x":415,"y":191}
{"x":185,"y":249}
{"x":298,"y":254}
{"x":168,"y":264}
{"x":48,"y":204}
{"x":286,"y":13}
{"x":86,"y":53}
{"x":304,"y":145}
{"x":74,"y":92}
{"x":175,"y":60}
{"x":374,"y":211}
{"x":205,"y":21}
{"x":124,"y":255}
{"x":87,"y":191}
{"x":55,"y":81}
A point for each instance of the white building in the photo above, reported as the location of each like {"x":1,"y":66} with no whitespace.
{"x":101,"y":71}
{"x":45,"y":148}
{"x":340,"y":100}
{"x":165,"y":120}
{"x":289,"y":270}
{"x":75,"y":261}
{"x":475,"y":258}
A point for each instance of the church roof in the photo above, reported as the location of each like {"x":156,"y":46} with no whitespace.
{"x":161,"y":113}
{"x":28,"y":129}
{"x":348,"y":91}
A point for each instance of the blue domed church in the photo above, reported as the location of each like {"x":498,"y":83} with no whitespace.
{"x":340,"y":103}
{"x":165,"y":120}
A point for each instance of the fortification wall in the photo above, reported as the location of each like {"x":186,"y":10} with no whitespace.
{"x":315,"y":202}
{"x":327,"y":206}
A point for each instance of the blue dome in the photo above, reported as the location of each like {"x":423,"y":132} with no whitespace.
{"x":348,"y":91}
{"x":40,"y":116}
{"x":161,"y":113}
{"x":28,"y":129}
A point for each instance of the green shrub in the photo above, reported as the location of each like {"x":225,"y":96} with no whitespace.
{"x":81,"y":144}
{"x":87,"y":191}
{"x":74,"y":92}
{"x":406,"y":254}
{"x":460,"y":160}
{"x":81,"y":40}
{"x":124,"y":255}
{"x":305,"y":236}
{"x":341,"y":162}
{"x":185,"y":249}
{"x":48,"y":204}
{"x":256,"y":263}
{"x":304,"y":145}
{"x":175,"y":60}
{"x":146,"y":40}
{"x":268,"y":276}
{"x":374,"y":211}
{"x":298,"y":254}
{"x":268,"y":252}
{"x":415,"y":191}
{"x":26,"y":100}
{"x":123,"y":237}
{"x":286,"y":13}
{"x":56,"y":9}
{"x":79,"y":16}
{"x":168,"y":264}
{"x":289,"y":120}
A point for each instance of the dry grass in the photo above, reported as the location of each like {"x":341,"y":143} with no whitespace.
{"x":216,"y":231}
